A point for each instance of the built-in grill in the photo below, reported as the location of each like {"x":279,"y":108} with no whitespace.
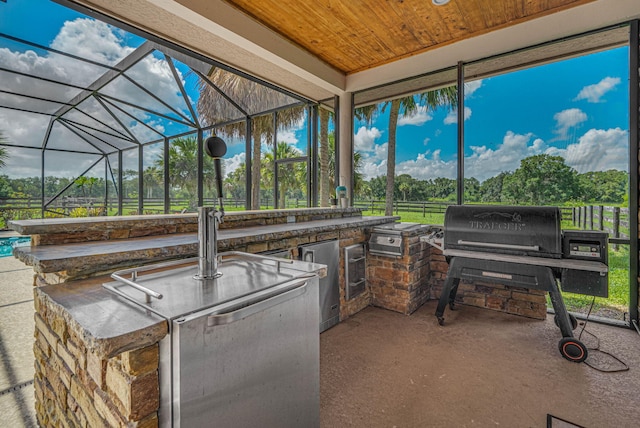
{"x":388,"y":239}
{"x":523,"y":247}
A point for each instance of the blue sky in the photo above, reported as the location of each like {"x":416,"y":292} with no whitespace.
{"x":575,"y":108}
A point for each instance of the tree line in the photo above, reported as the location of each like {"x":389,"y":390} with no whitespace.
{"x":540,"y":180}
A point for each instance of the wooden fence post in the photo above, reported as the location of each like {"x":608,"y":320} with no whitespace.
{"x":601,"y":214}
{"x":616,"y":225}
{"x":424,"y":209}
{"x":590,"y":217}
{"x":579,"y":216}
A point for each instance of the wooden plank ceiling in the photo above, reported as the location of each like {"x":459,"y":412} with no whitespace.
{"x":355,"y":35}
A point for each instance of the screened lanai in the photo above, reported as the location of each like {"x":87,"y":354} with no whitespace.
{"x":120,"y":132}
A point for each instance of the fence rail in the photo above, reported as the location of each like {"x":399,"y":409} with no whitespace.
{"x":66,"y":206}
{"x":614,"y":220}
{"x":423,"y":207}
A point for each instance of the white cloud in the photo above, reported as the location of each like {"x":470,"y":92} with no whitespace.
{"x":482,"y":164}
{"x":374,"y":162}
{"x":485,"y":162}
{"x":418,"y":118}
{"x":233,"y":163}
{"x":288,"y":136}
{"x":593,"y":93}
{"x":471,"y":87}
{"x":89,"y":39}
{"x":452,"y":117}
{"x":428,"y":165}
{"x":567,"y":119}
{"x":364,"y":140}
{"x":597,"y":150}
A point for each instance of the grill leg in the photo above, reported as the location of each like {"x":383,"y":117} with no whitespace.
{"x":564,"y":321}
{"x":570,"y":348}
{"x":449,"y":290}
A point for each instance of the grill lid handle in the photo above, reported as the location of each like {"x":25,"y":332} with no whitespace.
{"x":503,"y":246}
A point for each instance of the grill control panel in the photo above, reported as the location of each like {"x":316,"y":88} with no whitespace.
{"x":584,"y":249}
{"x":585,"y":245}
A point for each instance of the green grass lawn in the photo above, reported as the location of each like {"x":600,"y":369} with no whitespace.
{"x":405,"y":217}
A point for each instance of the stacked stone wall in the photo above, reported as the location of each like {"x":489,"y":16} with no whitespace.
{"x":400,"y":284}
{"x":512,"y":300}
{"x":77,"y":387}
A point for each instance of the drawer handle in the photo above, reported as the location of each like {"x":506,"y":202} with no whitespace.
{"x":238,"y":314}
{"x":355,"y":284}
{"x":497,"y":245}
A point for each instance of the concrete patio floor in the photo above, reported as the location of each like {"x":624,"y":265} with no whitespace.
{"x":383,"y":369}
{"x":16,"y":344}
{"x":481,"y":369}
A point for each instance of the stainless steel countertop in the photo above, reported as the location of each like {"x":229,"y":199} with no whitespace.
{"x":111,"y":324}
{"x":243,"y":276}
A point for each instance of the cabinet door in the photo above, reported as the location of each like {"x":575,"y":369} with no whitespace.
{"x":249,"y":366}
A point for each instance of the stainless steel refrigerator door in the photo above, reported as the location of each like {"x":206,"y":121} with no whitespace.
{"x":326,"y":253}
{"x":251,"y":366}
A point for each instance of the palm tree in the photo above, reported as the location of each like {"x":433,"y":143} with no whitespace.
{"x":407,"y":106}
{"x":183,"y":166}
{"x":357,"y":166}
{"x":152,"y":179}
{"x":291,"y":176}
{"x":325,"y":188}
{"x":4,"y":156}
{"x":254,"y":98}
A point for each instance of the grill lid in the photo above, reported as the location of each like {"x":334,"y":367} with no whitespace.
{"x":398,"y":228}
{"x":388,"y":239}
{"x":525,"y":231}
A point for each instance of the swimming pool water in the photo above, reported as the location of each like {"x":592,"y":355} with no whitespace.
{"x":8,"y":244}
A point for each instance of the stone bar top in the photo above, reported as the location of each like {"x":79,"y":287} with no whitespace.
{"x":109,"y":324}
{"x":83,"y":259}
{"x":54,"y":231}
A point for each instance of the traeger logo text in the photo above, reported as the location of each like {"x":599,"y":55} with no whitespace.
{"x":513,"y":225}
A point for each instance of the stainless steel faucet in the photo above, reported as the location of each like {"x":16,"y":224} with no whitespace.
{"x":209,"y":218}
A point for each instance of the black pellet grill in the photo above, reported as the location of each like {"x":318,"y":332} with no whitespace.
{"x":523,"y":247}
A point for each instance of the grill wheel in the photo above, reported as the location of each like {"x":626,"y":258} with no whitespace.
{"x":573,"y":350}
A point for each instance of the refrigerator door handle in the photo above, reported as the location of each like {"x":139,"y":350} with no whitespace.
{"x":228,"y":318}
{"x":309,"y":256}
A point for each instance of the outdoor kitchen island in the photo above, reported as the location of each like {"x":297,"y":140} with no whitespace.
{"x":99,"y":357}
